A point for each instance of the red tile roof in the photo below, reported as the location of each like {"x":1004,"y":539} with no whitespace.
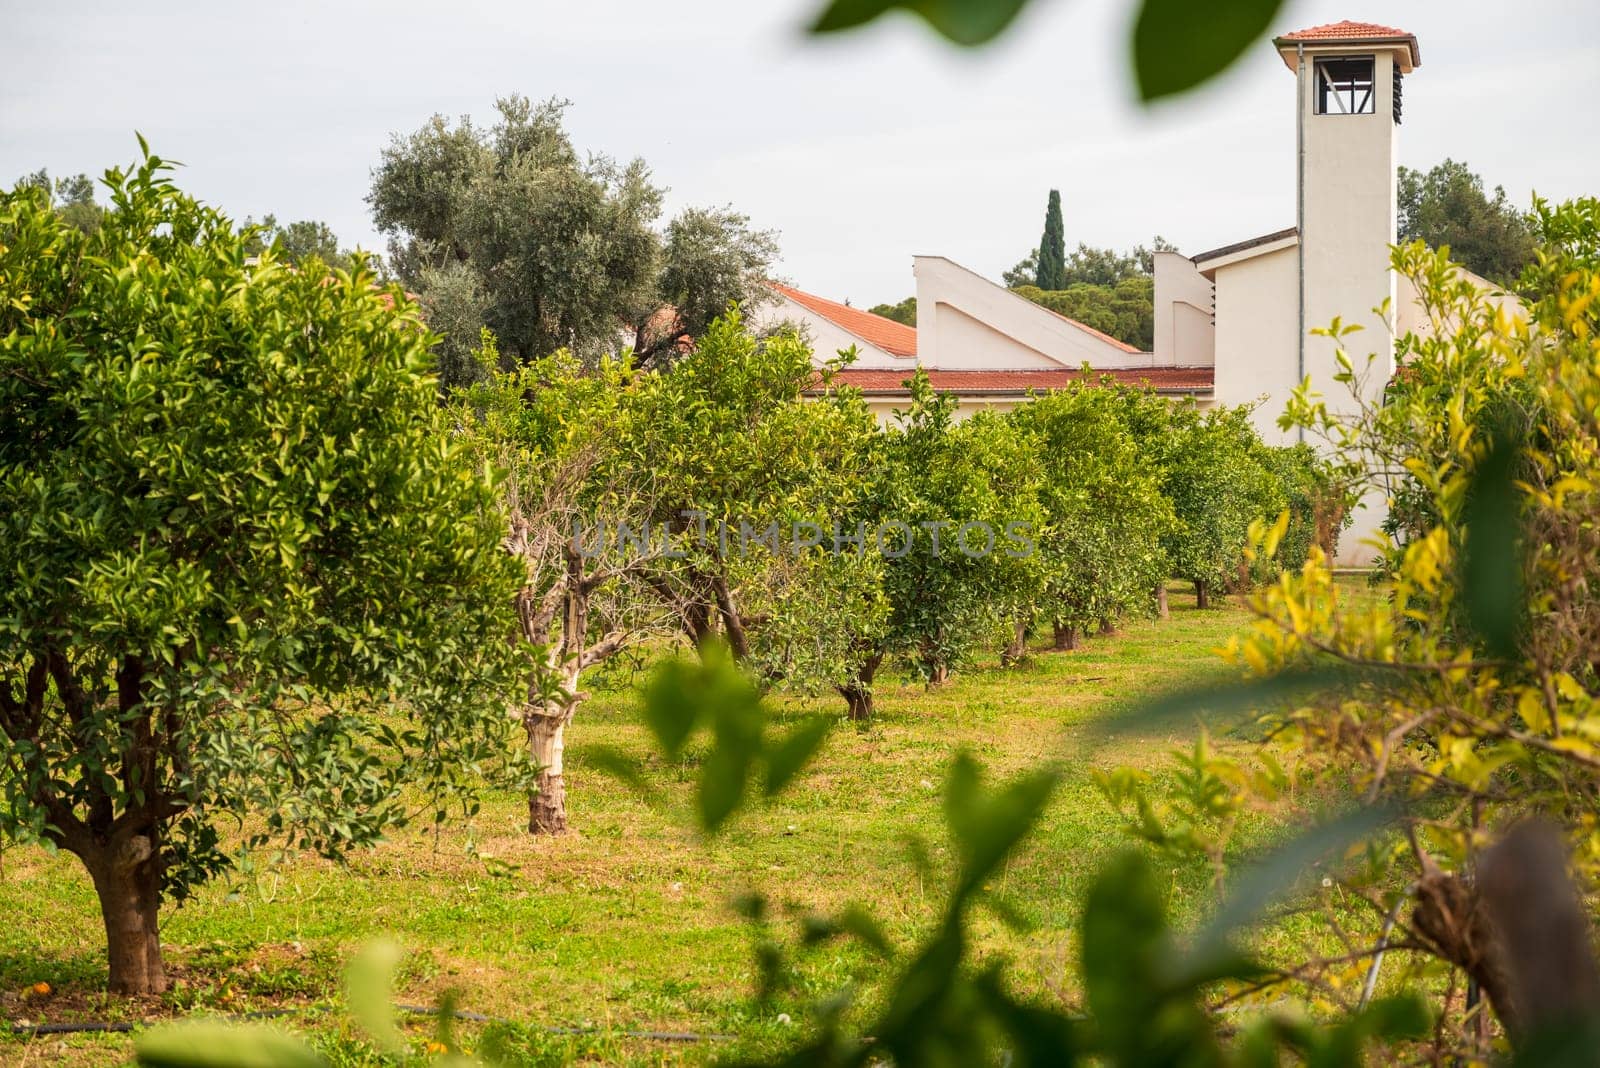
{"x":1355,"y":31}
{"x":897,"y":339}
{"x":1161,"y":379}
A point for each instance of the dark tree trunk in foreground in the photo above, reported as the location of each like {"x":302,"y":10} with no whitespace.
{"x":121,"y":852}
{"x":733,"y":622}
{"x":1202,"y":595}
{"x":127,"y":879}
{"x":1066,"y":638}
{"x":1521,"y":931}
{"x":1162,"y":611}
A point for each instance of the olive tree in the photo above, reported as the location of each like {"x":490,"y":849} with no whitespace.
{"x":513,"y":228}
{"x":577,"y":508}
{"x":247,"y":573}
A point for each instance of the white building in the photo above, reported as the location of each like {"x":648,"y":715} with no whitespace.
{"x":1232,"y":325}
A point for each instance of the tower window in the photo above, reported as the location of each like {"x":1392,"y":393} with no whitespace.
{"x":1344,"y":86}
{"x":1397,"y":94}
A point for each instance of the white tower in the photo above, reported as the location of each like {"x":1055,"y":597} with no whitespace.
{"x":1349,"y":77}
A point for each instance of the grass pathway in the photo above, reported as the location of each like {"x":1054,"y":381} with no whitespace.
{"x":627,"y":924}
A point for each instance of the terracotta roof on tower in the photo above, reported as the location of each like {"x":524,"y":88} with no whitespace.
{"x":1353,"y":32}
{"x":897,"y":339}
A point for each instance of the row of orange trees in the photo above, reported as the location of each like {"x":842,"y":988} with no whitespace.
{"x":253,"y":565}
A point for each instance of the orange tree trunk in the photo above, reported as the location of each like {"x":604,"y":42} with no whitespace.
{"x":547,"y":805}
{"x":1066,"y":638}
{"x":127,"y":879}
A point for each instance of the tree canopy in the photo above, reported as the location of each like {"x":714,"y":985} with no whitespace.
{"x":1112,"y":291}
{"x":1051,"y":268}
{"x":1447,"y":207}
{"x":233,"y":528}
{"x":510,"y":227}
{"x":73,"y":198}
{"x":904,"y":312}
{"x":295,"y":242}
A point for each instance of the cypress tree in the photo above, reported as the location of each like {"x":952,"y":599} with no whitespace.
{"x":1053,"y":247}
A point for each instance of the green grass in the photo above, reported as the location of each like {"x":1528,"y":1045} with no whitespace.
{"x":627,"y":924}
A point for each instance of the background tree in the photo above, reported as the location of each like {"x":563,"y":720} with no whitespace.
{"x":1052,"y":247}
{"x":233,"y":529}
{"x":561,"y":249}
{"x":937,"y":477}
{"x":1112,"y":291}
{"x":1215,"y":477}
{"x":1025,"y":273}
{"x":904,"y":312}
{"x":1126,"y":311}
{"x":295,"y":243}
{"x":757,"y":483}
{"x":560,"y":432}
{"x":1447,"y":206}
{"x":1105,"y":515}
{"x":73,"y":198}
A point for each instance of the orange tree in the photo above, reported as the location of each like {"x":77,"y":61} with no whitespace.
{"x":232,"y":530}
{"x":1465,"y":686}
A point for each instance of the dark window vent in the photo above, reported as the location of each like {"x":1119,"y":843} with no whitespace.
{"x":1397,"y":77}
{"x":1344,"y":85}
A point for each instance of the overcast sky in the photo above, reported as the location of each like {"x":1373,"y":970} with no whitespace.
{"x":860,"y":151}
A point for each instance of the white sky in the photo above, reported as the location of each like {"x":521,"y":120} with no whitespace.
{"x":860,"y":151}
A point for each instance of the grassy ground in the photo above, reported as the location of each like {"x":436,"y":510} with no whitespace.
{"x":627,"y":924}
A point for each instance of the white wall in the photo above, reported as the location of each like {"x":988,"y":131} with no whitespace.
{"x":1183,"y":313}
{"x":1346,"y":231}
{"x":1256,"y":337}
{"x":966,"y":321}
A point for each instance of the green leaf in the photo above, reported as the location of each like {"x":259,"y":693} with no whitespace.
{"x":988,"y":826}
{"x":787,"y":757}
{"x":1492,"y":565}
{"x":1269,"y":880}
{"x":722,"y":783}
{"x":1040,"y":1038}
{"x":1177,"y":44}
{"x":217,"y":1044}
{"x":965,"y":22}
{"x":672,"y":705}
{"x":1220,"y":703}
{"x":369,"y":982}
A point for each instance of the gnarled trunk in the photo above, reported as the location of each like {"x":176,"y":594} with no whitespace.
{"x":857,"y":693}
{"x":1017,"y":648}
{"x":127,"y":879}
{"x":1066,"y":638}
{"x":858,"y":701}
{"x":547,"y":805}
{"x":1162,"y":611}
